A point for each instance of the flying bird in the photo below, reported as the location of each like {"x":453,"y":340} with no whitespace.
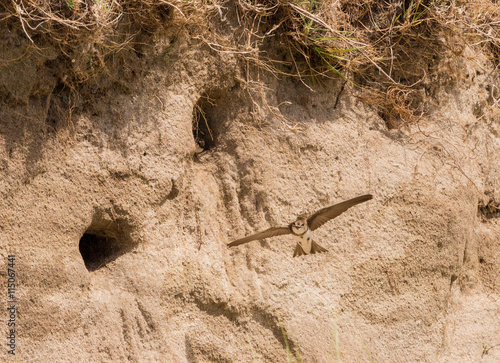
{"x":301,"y":229}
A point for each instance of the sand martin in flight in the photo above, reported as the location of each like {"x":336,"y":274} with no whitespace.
{"x":301,"y":229}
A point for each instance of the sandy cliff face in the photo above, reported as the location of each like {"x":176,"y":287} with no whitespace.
{"x":120,"y":233}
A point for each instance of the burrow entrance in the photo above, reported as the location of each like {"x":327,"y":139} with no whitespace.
{"x":105,"y":240}
{"x":208,"y":116}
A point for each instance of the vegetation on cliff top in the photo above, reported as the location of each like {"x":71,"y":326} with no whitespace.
{"x":389,"y":48}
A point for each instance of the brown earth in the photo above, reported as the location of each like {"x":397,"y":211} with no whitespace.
{"x":410,"y":276}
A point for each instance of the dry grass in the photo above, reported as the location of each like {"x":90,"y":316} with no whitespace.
{"x":68,"y":21}
{"x":90,"y":33}
{"x":398,"y":106}
{"x":389,"y":48}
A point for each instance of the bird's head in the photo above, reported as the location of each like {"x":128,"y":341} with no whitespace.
{"x":300,"y":225}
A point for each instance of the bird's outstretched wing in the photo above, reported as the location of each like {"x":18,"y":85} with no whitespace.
{"x":271,"y":232}
{"x":324,"y":215}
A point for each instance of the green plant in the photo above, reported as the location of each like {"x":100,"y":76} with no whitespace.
{"x":287,"y":346}
{"x":335,"y":339}
{"x":487,"y":349}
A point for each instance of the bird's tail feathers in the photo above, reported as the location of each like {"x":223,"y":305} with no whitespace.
{"x":298,"y":251}
{"x":316,"y":248}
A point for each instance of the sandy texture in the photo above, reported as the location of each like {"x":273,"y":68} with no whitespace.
{"x":412,"y":275}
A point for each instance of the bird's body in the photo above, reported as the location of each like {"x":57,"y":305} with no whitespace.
{"x":304,"y":241}
{"x":301,"y":229}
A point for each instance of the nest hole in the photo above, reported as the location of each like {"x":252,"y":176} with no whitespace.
{"x":206,"y":120}
{"x":60,"y":105}
{"x":104,"y":241}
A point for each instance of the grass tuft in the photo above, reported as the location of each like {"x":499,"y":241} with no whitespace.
{"x":389,"y":50}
